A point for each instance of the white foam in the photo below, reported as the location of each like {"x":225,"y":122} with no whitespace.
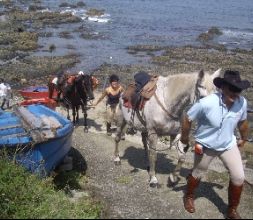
{"x":240,"y":34}
{"x":71,"y":11}
{"x":98,"y":19}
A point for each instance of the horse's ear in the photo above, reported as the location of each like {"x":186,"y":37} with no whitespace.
{"x":216,"y":73}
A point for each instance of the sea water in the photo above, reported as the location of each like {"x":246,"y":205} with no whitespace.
{"x":148,"y":22}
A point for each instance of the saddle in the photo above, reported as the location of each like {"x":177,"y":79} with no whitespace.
{"x":139,"y":92}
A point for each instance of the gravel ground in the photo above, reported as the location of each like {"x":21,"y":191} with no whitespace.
{"x":124,"y":189}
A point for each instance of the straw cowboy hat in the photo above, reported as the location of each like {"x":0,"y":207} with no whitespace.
{"x":232,"y":78}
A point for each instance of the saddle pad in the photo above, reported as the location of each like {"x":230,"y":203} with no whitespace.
{"x":128,"y":104}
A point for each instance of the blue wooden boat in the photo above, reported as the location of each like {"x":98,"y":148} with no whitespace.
{"x":37,"y":137}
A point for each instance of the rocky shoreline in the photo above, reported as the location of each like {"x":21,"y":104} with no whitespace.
{"x":20,"y":31}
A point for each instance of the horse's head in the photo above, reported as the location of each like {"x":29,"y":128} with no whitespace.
{"x":88,"y":86}
{"x":204,"y":85}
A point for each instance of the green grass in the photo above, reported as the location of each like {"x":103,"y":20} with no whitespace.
{"x":23,"y":195}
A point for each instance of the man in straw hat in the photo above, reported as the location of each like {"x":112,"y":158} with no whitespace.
{"x":217,"y":117}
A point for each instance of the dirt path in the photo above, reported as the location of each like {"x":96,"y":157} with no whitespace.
{"x":125,"y":190}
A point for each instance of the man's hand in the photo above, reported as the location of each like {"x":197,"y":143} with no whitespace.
{"x":93,"y":105}
{"x":241,"y":143}
{"x":243,"y":127}
{"x":185,"y":130}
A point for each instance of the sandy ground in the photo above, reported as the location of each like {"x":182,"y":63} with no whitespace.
{"x":124,"y":189}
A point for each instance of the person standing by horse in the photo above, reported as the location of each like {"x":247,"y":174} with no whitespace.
{"x":56,"y":83}
{"x":5,"y":94}
{"x":217,"y":117}
{"x":113,"y":93}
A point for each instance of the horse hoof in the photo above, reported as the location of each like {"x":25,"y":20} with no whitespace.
{"x":172,"y":180}
{"x":117,"y":163}
{"x":153,"y":185}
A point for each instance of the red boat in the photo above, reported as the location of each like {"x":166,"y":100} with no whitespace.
{"x":36,"y":92}
{"x":50,"y":103}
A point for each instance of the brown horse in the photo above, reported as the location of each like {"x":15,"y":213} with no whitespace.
{"x":76,"y":90}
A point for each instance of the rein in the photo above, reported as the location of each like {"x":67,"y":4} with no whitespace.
{"x":195,"y":99}
{"x":164,"y":109}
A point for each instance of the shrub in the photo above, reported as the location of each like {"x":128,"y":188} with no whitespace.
{"x":23,"y":195}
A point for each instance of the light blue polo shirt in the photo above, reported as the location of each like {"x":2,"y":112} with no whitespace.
{"x":215,"y":123}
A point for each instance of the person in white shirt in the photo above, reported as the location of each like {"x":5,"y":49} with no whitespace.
{"x":5,"y":94}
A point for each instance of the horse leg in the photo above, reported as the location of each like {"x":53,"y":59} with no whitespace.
{"x":121,"y":124}
{"x":174,"y":177}
{"x":74,"y":114}
{"x":68,"y":117}
{"x":77,"y":114}
{"x":144,"y":136}
{"x":172,"y":141}
{"x":152,"y":142}
{"x":85,"y":115}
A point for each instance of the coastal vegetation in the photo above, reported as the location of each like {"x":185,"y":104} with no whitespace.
{"x":25,"y":196}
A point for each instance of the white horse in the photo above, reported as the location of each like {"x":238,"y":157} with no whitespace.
{"x":162,"y":114}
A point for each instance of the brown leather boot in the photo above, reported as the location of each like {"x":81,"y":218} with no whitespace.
{"x":192,"y":184}
{"x":234,"y":195}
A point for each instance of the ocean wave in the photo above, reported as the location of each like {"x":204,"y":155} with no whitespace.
{"x":98,"y":19}
{"x":82,"y":13}
{"x":237,"y":34}
{"x":74,"y":12}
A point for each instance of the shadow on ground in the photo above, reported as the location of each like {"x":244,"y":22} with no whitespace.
{"x":207,"y":190}
{"x":136,"y":158}
{"x":71,"y":179}
{"x":91,"y":124}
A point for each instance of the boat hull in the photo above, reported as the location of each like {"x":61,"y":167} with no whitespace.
{"x":50,"y":103}
{"x":36,"y":92}
{"x":39,"y":157}
{"x":43,"y":158}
